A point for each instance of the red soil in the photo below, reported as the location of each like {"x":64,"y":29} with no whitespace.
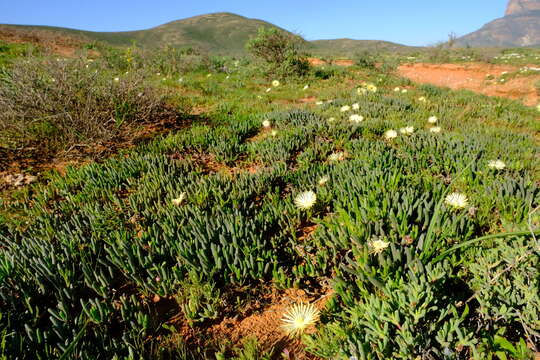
{"x":474,"y":77}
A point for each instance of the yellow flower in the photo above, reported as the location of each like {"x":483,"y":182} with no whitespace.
{"x":422,"y":99}
{"x":432,"y":119}
{"x":298,"y":318}
{"x":397,"y":89}
{"x":345,"y":108}
{"x":266,"y":123}
{"x":275,"y":83}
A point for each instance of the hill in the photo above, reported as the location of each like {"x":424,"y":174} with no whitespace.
{"x":217,"y":33}
{"x":351,"y":46}
{"x":221,"y":33}
{"x":519,"y":27}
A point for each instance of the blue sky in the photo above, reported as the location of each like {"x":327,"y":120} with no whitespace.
{"x":412,"y":22}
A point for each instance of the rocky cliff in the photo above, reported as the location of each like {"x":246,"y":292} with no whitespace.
{"x":519,"y":27}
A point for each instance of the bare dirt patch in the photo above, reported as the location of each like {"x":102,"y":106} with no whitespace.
{"x":480,"y":78}
{"x":339,"y":62}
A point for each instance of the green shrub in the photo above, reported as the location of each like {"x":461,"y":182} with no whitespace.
{"x":280,"y":51}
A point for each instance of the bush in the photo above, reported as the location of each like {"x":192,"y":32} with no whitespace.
{"x":57,"y":104}
{"x":280,"y":51}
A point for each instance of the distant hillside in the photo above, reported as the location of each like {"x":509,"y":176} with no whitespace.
{"x":348,"y":47}
{"x":222,"y":33}
{"x":216,"y":33}
{"x":519,"y":27}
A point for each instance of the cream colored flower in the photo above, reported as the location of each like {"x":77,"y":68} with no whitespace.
{"x":456,"y":200}
{"x":404,"y":91}
{"x":496,"y":164}
{"x":377,"y":246}
{"x":435,"y":129}
{"x":274,"y":133}
{"x":408,"y":130}
{"x":269,"y":89}
{"x":178,"y":201}
{"x":361,"y":91}
{"x":345,"y":108}
{"x":336,"y":156}
{"x":356,"y":118}
{"x":390,"y":134}
{"x":397,"y":89}
{"x":266,"y":123}
{"x":422,"y":99}
{"x":355,"y":106}
{"x":305,"y":200}
{"x":116,"y":79}
{"x":432,"y":119}
{"x":298,"y":318}
{"x":275,"y":83}
{"x":306,"y":87}
{"x":324,"y":180}
{"x":538,"y":107}
{"x":319,"y":103}
{"x":331,"y":120}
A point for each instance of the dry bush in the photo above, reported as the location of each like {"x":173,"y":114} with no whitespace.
{"x":56,"y":104}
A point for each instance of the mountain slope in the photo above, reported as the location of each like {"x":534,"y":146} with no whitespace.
{"x":222,"y":33}
{"x":219,"y":32}
{"x":519,"y":27}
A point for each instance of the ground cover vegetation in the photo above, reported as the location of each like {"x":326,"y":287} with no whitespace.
{"x":413,"y":214}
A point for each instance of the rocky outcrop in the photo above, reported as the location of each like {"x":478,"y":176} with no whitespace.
{"x":519,"y":27}
{"x":516,"y":7}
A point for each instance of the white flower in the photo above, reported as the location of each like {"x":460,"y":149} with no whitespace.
{"x":456,"y":200}
{"x":435,"y":129}
{"x":275,"y":83}
{"x":404,"y":91}
{"x":266,"y":123}
{"x":306,"y":87}
{"x":324,"y":180}
{"x":178,"y":201}
{"x":432,"y":119}
{"x":336,"y":156}
{"x":305,"y":200}
{"x":361,"y":91}
{"x":274,"y":132}
{"x":319,"y":103}
{"x":408,"y":130}
{"x":422,"y":99}
{"x":181,"y":80}
{"x":298,"y":318}
{"x":538,"y":107}
{"x":345,"y":108}
{"x":355,"y":106}
{"x":390,"y":134}
{"x":116,"y":79}
{"x":331,"y":120}
{"x":208,"y":75}
{"x":377,"y":246}
{"x":356,"y":118}
{"x":269,"y":89}
{"x":158,"y":74}
{"x":496,"y":164}
{"x":397,"y":89}
{"x":228,"y":77}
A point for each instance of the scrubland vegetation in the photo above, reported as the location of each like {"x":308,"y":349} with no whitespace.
{"x":412,"y":211}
